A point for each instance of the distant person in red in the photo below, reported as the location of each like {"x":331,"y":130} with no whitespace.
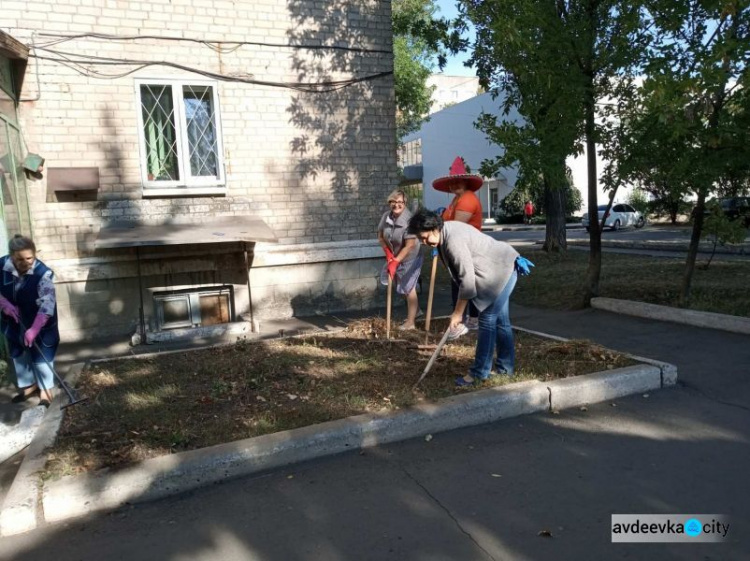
{"x":528,"y":212}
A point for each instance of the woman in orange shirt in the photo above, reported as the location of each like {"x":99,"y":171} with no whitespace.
{"x":465,"y":207}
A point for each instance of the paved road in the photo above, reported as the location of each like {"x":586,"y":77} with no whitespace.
{"x":483,"y":493}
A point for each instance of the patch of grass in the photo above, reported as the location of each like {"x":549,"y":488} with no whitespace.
{"x":557,"y":282}
{"x":141,"y":408}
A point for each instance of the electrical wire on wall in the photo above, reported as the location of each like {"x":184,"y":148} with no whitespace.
{"x":84,"y":65}
{"x":91,"y":65}
{"x":212,"y":44}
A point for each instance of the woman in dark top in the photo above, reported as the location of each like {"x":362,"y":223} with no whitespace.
{"x":28,"y":319}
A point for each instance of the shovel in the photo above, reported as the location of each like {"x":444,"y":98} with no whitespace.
{"x":388,"y":308}
{"x":432,"y":293}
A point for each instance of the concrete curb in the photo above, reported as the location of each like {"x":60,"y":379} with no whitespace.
{"x":533,"y":227}
{"x":169,"y":475}
{"x":21,"y":507}
{"x":731,"y":249}
{"x":668,"y":371}
{"x":711,"y":320}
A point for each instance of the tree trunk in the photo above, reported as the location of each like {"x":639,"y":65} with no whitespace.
{"x":673,"y":209}
{"x":717,"y":108}
{"x":695,"y":238}
{"x":595,"y":233}
{"x":555,"y":239}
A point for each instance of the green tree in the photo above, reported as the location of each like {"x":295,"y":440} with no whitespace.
{"x":519,"y":57}
{"x":534,"y":191}
{"x":690,"y":119}
{"x":555,"y":62}
{"x":417,"y":37}
{"x":720,"y":230}
{"x":649,"y":166}
{"x":639,"y":201}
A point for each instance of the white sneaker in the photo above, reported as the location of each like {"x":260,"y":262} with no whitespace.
{"x":472,"y":323}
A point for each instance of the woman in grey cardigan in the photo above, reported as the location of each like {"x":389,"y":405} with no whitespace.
{"x":485,"y":270}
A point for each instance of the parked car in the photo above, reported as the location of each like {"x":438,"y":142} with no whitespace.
{"x":732,"y":207}
{"x":619,"y":216}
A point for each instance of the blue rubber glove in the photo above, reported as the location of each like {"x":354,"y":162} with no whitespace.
{"x":523,"y":266}
{"x":434,"y":252}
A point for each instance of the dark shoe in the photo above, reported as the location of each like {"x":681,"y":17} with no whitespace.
{"x":461,"y":383}
{"x":20,"y":397}
{"x":44,"y":403}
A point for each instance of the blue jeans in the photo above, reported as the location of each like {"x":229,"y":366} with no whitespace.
{"x":495,"y":331}
{"x":29,"y":373}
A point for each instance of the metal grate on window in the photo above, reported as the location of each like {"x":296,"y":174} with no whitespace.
{"x":157,"y":106}
{"x":201,"y":130}
{"x":194,"y":308}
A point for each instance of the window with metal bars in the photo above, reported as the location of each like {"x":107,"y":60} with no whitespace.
{"x":180,"y":134}
{"x":194,"y":307}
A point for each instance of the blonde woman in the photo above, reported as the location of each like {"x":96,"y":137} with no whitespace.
{"x":402,"y":253}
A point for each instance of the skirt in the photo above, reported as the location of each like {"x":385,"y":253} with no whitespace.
{"x":407,"y":275}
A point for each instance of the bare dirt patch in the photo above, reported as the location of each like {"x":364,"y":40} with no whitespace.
{"x":142,"y":408}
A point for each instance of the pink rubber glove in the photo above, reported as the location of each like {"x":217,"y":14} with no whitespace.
{"x":39,"y":321}
{"x":392,"y":266}
{"x":388,"y":254}
{"x":10,"y":310}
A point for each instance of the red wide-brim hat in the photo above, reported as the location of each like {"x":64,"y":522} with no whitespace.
{"x":458,"y":173}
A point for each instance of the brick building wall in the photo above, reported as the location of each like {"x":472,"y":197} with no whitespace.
{"x":316,"y":167}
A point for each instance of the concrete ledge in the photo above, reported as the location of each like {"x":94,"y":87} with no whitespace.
{"x":170,"y":475}
{"x":236,"y":328}
{"x":735,"y":324}
{"x":603,"y":386}
{"x":732,"y":249}
{"x":21,"y":508}
{"x":668,"y":371}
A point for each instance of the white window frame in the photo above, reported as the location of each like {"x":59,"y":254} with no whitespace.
{"x":187,"y":184}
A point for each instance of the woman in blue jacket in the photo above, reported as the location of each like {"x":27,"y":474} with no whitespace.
{"x":28,"y":319}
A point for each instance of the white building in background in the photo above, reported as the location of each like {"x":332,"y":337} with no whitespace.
{"x":450,"y":90}
{"x":450,"y":133}
{"x":427,"y":154}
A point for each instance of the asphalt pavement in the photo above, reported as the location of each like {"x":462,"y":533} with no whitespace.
{"x":537,"y":487}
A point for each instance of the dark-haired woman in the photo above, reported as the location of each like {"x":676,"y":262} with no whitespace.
{"x":28,"y":319}
{"x":485,"y":271}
